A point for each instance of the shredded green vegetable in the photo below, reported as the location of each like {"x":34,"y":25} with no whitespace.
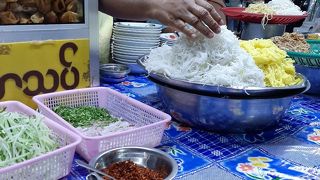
{"x":85,"y":116}
{"x":23,"y":137}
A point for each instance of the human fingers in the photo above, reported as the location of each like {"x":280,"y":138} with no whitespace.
{"x":205,"y":17}
{"x":210,"y":8}
{"x":177,"y":24}
{"x":193,"y":20}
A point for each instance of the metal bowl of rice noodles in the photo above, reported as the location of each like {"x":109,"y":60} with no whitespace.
{"x":213,"y":84}
{"x":224,"y":109}
{"x":228,"y":92}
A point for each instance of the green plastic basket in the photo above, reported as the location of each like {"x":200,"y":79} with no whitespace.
{"x":309,"y":59}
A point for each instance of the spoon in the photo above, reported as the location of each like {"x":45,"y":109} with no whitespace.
{"x":87,"y":166}
{"x":97,"y":176}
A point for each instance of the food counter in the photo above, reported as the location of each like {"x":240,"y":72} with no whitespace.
{"x":166,"y":108}
{"x":287,"y":151}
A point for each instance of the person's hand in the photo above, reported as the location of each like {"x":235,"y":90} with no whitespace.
{"x":178,"y":13}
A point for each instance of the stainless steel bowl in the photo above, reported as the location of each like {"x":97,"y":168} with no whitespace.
{"x":313,"y":75}
{"x":116,"y":71}
{"x":256,"y":30}
{"x":222,"y":114}
{"x":222,"y":109}
{"x":147,"y":157}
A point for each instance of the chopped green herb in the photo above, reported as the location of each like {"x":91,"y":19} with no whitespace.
{"x":84,"y":116}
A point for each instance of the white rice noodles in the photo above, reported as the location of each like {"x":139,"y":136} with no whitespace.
{"x":217,"y":61}
{"x":285,"y":7}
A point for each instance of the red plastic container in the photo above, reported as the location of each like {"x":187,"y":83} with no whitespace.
{"x":239,"y":14}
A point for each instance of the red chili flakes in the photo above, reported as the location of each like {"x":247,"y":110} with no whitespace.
{"x":127,"y":170}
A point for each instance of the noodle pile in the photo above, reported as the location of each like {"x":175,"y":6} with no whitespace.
{"x":277,"y":7}
{"x":261,"y":8}
{"x":216,"y":61}
{"x":278,"y":69}
{"x":274,"y":7}
{"x":291,"y":42}
{"x":285,"y":7}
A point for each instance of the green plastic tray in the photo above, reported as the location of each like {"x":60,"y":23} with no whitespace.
{"x":309,"y":59}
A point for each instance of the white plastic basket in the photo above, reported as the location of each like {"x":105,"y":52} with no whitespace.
{"x":150,"y":123}
{"x":52,"y":165}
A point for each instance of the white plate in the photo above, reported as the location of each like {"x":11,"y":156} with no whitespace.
{"x":134,"y":53}
{"x":136,"y":31}
{"x":138,"y":44}
{"x":138,"y":25}
{"x":125,"y":61}
{"x":137,"y":35}
{"x":141,"y":40}
{"x":128,"y":57}
{"x":128,"y":53}
{"x":115,"y":37}
{"x":125,"y":49}
{"x":134,"y":47}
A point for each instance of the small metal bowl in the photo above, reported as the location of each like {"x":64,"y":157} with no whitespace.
{"x":116,"y":71}
{"x":147,"y":157}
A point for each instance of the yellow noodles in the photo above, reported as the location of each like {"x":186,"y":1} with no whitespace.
{"x":261,"y":8}
{"x":279,"y":70}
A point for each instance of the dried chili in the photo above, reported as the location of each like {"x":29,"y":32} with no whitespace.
{"x":127,"y":170}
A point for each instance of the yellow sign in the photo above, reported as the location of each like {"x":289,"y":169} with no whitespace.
{"x":31,"y":68}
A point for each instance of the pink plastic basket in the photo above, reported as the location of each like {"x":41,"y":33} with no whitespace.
{"x":150,"y":123}
{"x":52,"y":165}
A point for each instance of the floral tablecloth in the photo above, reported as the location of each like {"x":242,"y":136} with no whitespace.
{"x":289,"y":151}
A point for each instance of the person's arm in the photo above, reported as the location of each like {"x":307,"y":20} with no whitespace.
{"x":174,"y":13}
{"x":218,"y":4}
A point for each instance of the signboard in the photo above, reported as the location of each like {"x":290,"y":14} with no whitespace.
{"x":31,"y":68}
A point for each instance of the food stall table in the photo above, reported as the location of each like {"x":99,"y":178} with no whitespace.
{"x":288,"y":151}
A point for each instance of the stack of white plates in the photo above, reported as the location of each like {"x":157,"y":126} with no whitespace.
{"x":132,"y":41}
{"x":168,"y":38}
